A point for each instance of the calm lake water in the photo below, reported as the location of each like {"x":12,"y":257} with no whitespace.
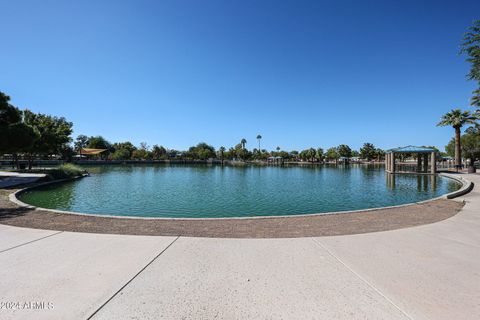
{"x":215,"y":191}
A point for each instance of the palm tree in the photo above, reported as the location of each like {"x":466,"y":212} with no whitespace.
{"x":457,"y":119}
{"x":475,"y":101}
{"x":311,"y":154}
{"x":276,"y":153}
{"x":222,"y":151}
{"x":243,"y":142}
{"x":259,"y":137}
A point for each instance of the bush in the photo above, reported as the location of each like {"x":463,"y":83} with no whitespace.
{"x":66,"y":171}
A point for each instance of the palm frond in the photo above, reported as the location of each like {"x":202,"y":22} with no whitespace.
{"x":457,"y":118}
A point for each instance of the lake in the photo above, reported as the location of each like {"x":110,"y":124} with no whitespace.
{"x":202,"y":191}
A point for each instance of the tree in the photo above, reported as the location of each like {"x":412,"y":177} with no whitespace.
{"x":122,"y":154}
{"x":344,"y":151}
{"x":471,"y":147}
{"x":470,"y":143}
{"x":66,"y":152}
{"x":294,"y":154}
{"x":158,"y":152}
{"x":284,"y":154}
{"x":172,"y":153}
{"x":260,"y":154}
{"x":140,"y":154}
{"x":332,"y":154}
{"x":457,"y":119}
{"x":231,"y":153}
{"x":256,"y":154}
{"x":239,"y":151}
{"x":303,"y":155}
{"x":201,"y":151}
{"x":22,"y":138}
{"x":221,"y":152}
{"x":81,"y":142}
{"x":450,"y":148}
{"x":475,"y":101}
{"x":311,"y":154}
{"x":471,"y":48}
{"x":8,"y":113}
{"x":143,"y":152}
{"x":308,"y":154}
{"x":123,"y":150}
{"x":259,"y":137}
{"x":16,"y":135}
{"x":276,"y":152}
{"x":379,"y":154}
{"x":99,"y":142}
{"x":368,"y":151}
{"x":243,"y":142}
{"x":319,"y":154}
{"x":54,"y":132}
{"x":144,"y":146}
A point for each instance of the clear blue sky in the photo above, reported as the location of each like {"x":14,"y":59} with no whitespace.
{"x":300,"y":73}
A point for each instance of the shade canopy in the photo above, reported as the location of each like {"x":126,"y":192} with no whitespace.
{"x":90,"y":151}
{"x":412,"y":149}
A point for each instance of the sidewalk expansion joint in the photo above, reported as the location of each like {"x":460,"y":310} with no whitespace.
{"x":361,"y":278}
{"x":133,"y":278}
{"x":24,"y":244}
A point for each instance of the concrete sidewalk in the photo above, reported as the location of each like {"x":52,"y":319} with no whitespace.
{"x":425,"y":272}
{"x":11,"y":179}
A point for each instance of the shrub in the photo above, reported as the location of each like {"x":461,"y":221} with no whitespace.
{"x":65,"y":171}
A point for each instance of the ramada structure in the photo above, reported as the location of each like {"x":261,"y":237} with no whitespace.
{"x":424,"y":165}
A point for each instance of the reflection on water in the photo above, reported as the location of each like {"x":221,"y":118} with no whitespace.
{"x":390,"y":181}
{"x":424,"y":183}
{"x":216,"y":191}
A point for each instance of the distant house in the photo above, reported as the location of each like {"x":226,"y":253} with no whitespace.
{"x":275,"y":160}
{"x":343,"y":159}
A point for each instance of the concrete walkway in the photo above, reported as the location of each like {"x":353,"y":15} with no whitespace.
{"x":425,"y":272}
{"x":12,"y":179}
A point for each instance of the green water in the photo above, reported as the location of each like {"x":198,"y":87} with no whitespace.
{"x":215,"y":191}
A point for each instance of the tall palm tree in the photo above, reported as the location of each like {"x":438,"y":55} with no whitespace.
{"x":243,"y":142}
{"x":457,"y":119}
{"x":259,"y":137}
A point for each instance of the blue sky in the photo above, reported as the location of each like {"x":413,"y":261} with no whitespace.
{"x":300,"y":73}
